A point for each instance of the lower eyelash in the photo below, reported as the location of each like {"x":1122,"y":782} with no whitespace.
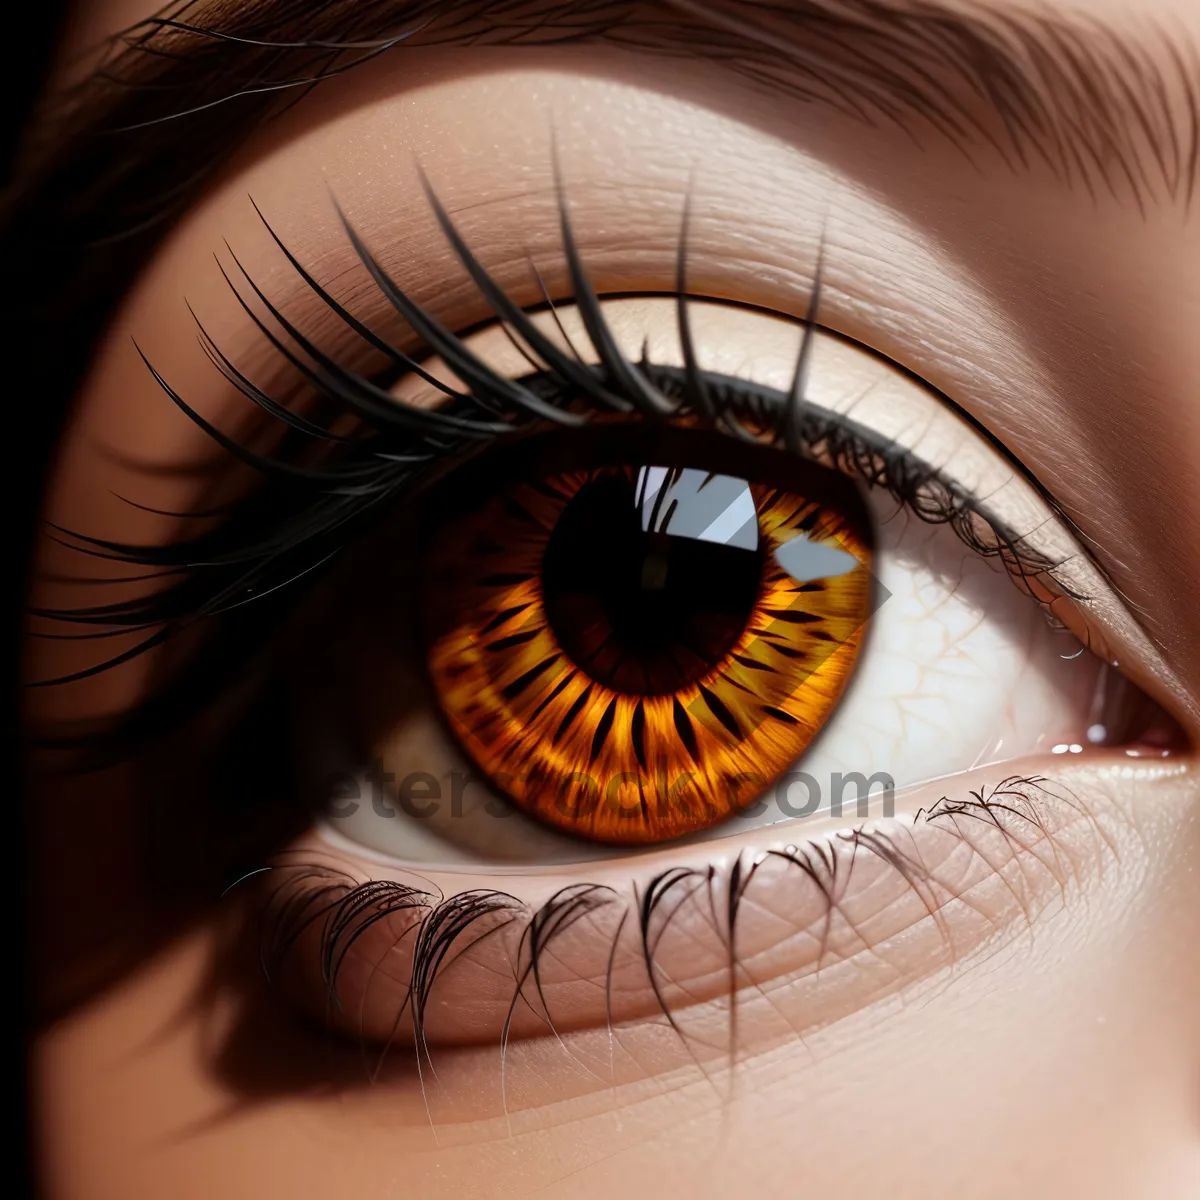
{"x":325,"y":488}
{"x":319,"y":912}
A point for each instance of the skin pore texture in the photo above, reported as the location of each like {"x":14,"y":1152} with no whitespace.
{"x":1023,"y":1020}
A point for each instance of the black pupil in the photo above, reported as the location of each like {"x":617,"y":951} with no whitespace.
{"x":642,"y":612}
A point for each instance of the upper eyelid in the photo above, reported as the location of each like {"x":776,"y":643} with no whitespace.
{"x":561,"y":358}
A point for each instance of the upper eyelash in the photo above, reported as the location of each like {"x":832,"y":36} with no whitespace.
{"x":279,"y":533}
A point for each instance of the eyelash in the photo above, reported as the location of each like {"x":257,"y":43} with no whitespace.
{"x":243,"y":572}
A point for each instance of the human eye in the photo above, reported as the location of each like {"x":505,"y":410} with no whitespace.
{"x":575,"y":585}
{"x":604,"y":572}
{"x":640,"y":607}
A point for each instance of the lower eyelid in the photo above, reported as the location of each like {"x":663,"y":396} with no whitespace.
{"x":822,"y":927}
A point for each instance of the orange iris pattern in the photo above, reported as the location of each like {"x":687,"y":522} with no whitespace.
{"x":624,"y":766}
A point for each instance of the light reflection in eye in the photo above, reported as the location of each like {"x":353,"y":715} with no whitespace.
{"x":697,"y":504}
{"x":720,"y":508}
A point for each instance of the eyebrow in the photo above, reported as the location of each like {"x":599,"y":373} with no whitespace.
{"x":1095,"y":107}
{"x":115,"y":158}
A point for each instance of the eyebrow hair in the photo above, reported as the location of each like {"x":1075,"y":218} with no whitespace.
{"x":114,"y":158}
{"x":1094,"y":106}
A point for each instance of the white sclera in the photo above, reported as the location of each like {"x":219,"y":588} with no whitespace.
{"x":959,"y":669}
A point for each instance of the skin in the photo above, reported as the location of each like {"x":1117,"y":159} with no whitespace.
{"x":1045,"y":1040}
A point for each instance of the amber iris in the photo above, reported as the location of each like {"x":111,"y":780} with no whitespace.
{"x":630,"y":654}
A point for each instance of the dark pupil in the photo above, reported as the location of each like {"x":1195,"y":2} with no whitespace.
{"x":644,"y":613}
